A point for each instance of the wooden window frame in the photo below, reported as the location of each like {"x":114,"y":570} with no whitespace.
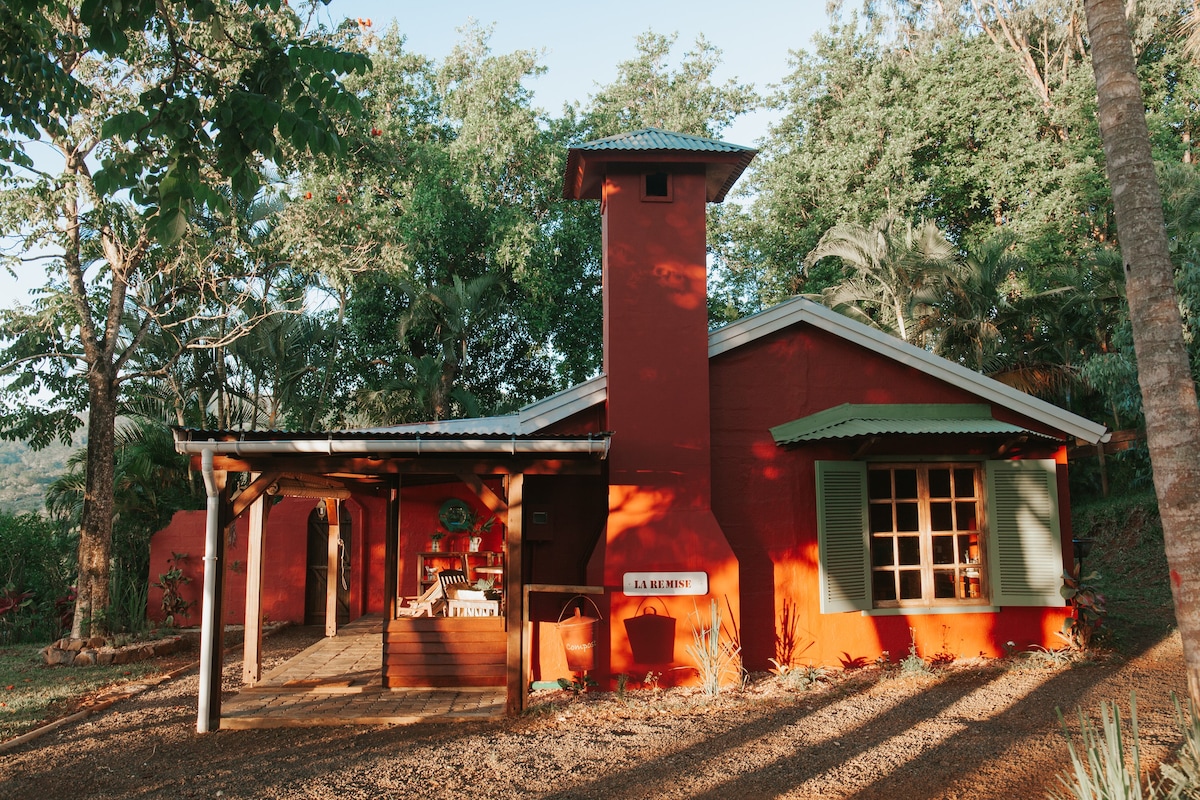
{"x":967,"y":565}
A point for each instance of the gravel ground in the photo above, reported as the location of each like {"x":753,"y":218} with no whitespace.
{"x":984,"y":730}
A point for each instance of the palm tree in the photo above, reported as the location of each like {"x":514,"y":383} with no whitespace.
{"x":890,"y":265}
{"x":447,"y":316}
{"x":1168,"y":391}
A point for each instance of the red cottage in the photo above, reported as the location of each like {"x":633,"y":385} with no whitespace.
{"x":837,"y":492}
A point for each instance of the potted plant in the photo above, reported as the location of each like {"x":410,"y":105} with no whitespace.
{"x":477,"y":530}
{"x":435,"y":541}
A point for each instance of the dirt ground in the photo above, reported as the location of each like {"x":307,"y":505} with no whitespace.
{"x":986,"y":730}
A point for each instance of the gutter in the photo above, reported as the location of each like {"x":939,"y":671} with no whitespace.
{"x":591,"y":445}
{"x":207,"y":623}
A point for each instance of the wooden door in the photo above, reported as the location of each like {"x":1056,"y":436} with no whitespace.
{"x":316,"y":575}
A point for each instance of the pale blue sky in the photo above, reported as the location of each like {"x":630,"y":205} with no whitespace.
{"x":581,"y":46}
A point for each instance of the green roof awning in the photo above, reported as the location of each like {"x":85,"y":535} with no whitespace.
{"x":858,"y":419}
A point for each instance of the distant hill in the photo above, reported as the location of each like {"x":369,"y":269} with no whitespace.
{"x":25,"y":474}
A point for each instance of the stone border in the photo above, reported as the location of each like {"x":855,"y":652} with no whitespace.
{"x":88,"y":652}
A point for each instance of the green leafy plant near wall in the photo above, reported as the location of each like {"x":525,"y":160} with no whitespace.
{"x":171,"y":582}
{"x":1088,"y":608}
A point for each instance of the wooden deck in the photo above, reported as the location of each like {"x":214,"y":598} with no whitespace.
{"x":425,"y":652}
{"x":338,"y":681}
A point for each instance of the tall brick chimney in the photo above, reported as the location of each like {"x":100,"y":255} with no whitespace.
{"x":653,"y":186}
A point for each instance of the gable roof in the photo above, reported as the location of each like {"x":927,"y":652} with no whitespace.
{"x":723,"y":162}
{"x":557,"y":407}
{"x":870,"y":419}
{"x":802,"y":310}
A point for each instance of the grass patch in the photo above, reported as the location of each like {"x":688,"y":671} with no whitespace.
{"x":32,"y":693}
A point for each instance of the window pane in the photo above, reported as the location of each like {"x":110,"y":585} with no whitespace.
{"x":943,"y":550}
{"x":910,"y":584}
{"x":939,"y":483}
{"x":943,"y":583}
{"x":883,"y":586}
{"x":965,"y":511}
{"x":881,"y":518}
{"x":964,"y":483}
{"x":906,"y":483}
{"x":968,"y":548}
{"x":941,"y":517}
{"x":879,"y":484}
{"x":907,"y":518}
{"x":910,"y":550}
{"x":972,"y":586}
{"x":883,"y":552}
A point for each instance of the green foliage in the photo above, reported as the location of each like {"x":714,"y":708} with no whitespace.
{"x":579,"y":685}
{"x":36,"y":569}
{"x":152,"y":482}
{"x":1088,"y":608}
{"x":170,"y":582}
{"x":1127,"y":552}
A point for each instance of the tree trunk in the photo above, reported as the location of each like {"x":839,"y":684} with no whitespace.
{"x":96,"y":520}
{"x":1168,"y":393}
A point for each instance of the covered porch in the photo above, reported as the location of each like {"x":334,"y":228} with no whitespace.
{"x":442,"y":667}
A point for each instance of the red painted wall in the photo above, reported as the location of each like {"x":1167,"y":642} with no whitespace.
{"x":284,"y":569}
{"x":764,"y":496}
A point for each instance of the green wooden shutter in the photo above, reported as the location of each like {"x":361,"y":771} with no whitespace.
{"x":842,"y":536}
{"x":1025,"y":559}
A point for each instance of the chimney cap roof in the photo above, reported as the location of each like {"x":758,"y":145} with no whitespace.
{"x":724,"y":162}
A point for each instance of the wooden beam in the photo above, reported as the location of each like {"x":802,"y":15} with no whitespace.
{"x":391,"y":554}
{"x":252,"y":643}
{"x":333,"y":515}
{"x":493,"y":501}
{"x":257,"y":488}
{"x":514,"y":599}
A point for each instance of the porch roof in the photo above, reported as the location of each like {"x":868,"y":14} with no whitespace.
{"x":858,"y":419}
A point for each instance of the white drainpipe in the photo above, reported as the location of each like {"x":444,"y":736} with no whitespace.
{"x":207,"y":623}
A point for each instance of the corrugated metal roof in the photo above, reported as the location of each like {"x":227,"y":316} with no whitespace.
{"x":723,"y":162}
{"x":854,"y":419}
{"x":658,"y":139}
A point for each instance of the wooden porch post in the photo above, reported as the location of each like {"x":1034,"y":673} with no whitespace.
{"x":252,"y":645}
{"x":333,"y":514}
{"x":514,"y":611}
{"x":391,"y":554}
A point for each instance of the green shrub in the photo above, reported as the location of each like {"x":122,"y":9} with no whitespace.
{"x":37,"y":564}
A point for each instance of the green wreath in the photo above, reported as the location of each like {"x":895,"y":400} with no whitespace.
{"x":456,"y":515}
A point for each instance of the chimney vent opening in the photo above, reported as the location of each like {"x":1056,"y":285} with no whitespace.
{"x":656,"y":187}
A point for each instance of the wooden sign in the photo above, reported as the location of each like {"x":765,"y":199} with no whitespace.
{"x":647,"y":584}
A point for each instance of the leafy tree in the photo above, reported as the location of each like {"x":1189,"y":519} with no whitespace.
{"x":649,"y":93}
{"x":175,"y":102}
